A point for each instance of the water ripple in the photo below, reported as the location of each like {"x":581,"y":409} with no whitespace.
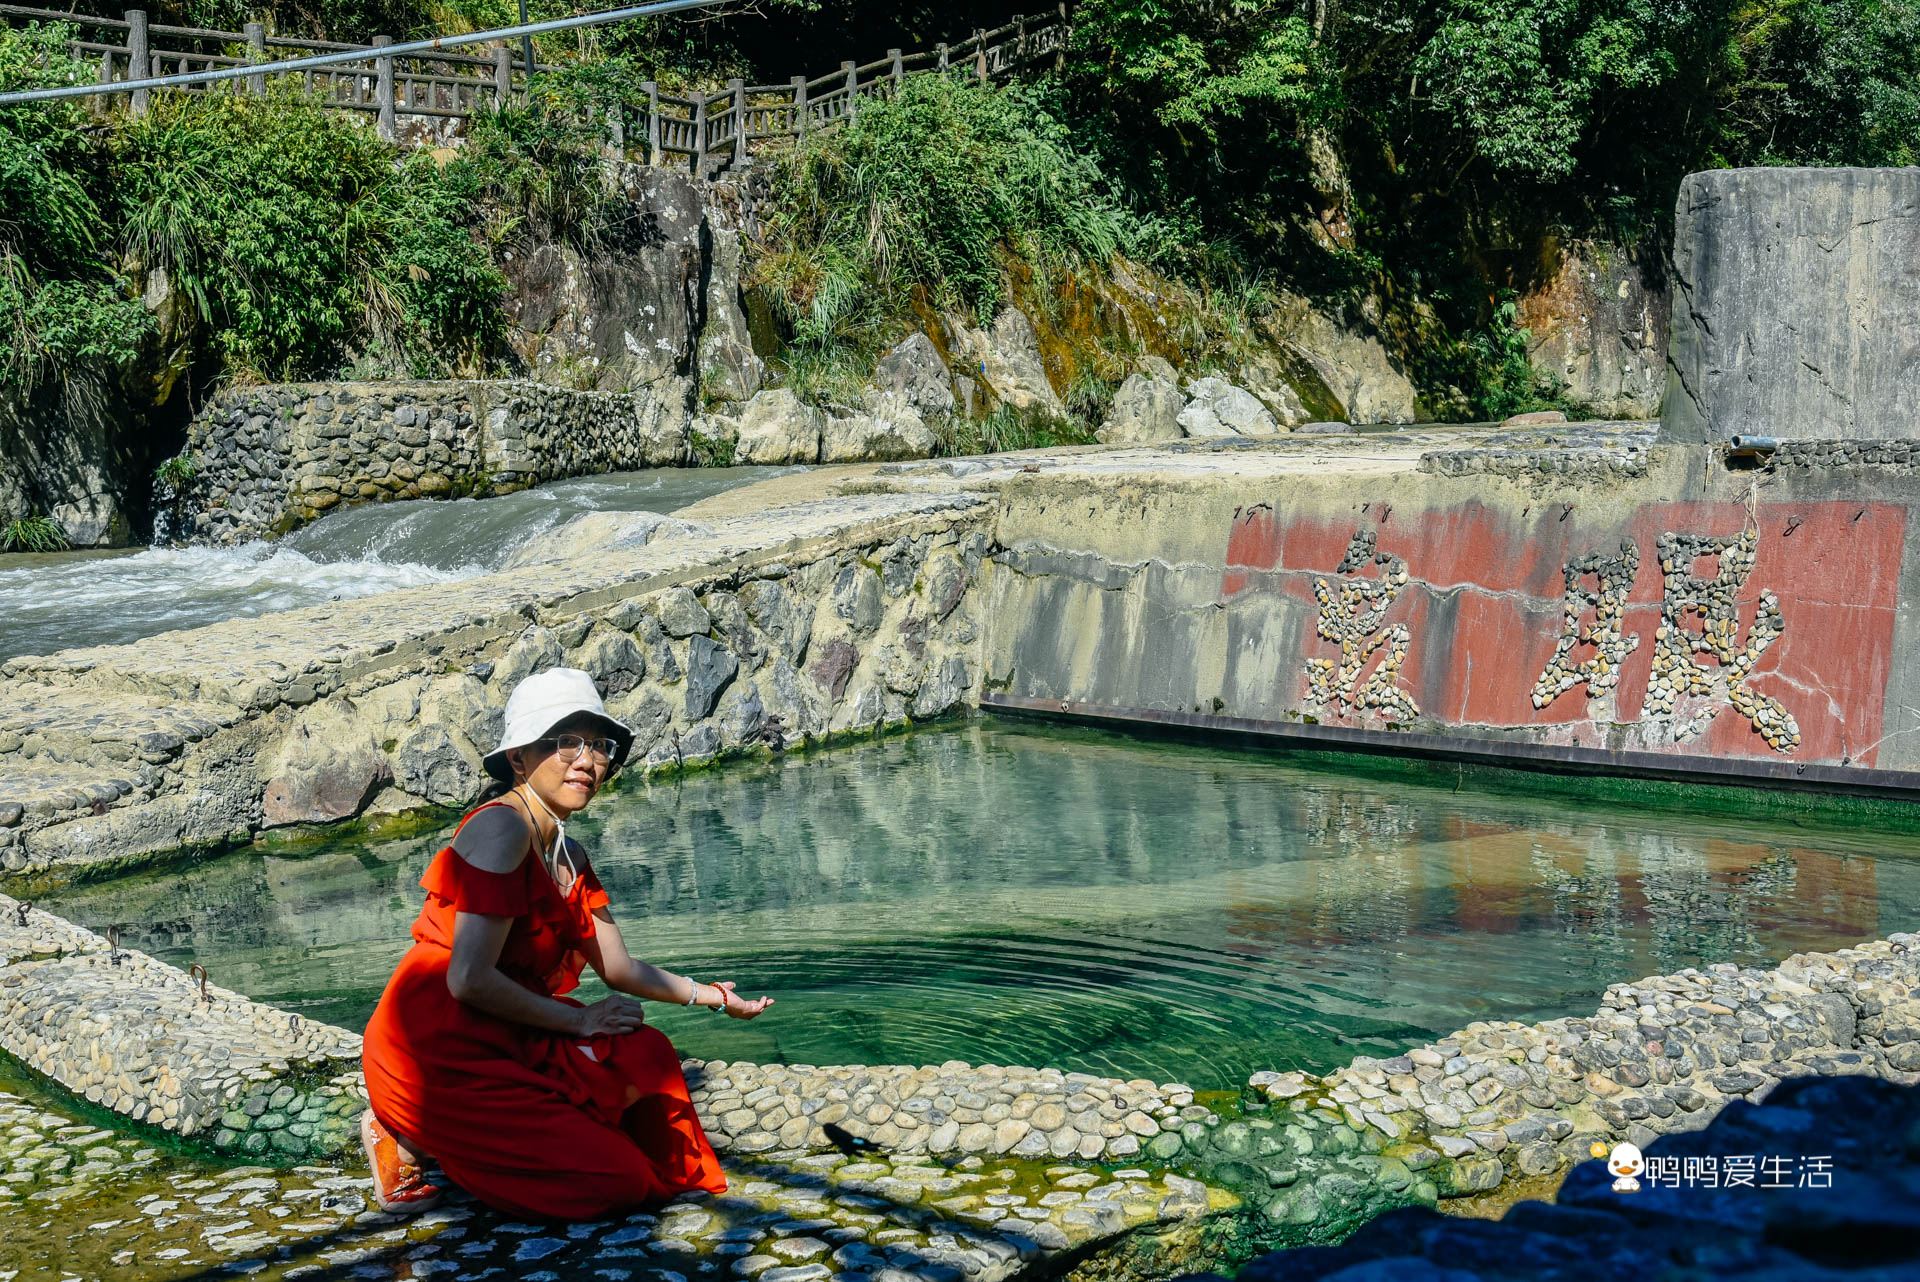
{"x":1000,"y":894}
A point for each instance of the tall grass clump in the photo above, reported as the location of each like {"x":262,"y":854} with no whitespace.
{"x":298,"y":238}
{"x":63,"y":304}
{"x":930,"y":192}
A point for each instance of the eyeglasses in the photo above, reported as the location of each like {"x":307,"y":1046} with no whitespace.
{"x":568,"y":747}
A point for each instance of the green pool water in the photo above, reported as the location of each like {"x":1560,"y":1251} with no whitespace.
{"x":1012,"y":894}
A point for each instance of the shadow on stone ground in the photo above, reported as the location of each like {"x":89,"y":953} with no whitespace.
{"x":1825,"y":1183}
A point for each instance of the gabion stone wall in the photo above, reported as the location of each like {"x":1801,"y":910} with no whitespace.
{"x":270,"y":459}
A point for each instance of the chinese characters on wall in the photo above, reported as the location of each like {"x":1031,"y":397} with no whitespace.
{"x":1351,"y":618}
{"x":1699,"y":621}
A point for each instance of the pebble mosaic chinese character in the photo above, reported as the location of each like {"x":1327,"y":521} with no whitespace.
{"x":1714,"y":604}
{"x":1613,"y":577}
{"x":1351,"y":618}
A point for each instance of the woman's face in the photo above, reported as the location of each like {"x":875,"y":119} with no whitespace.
{"x":566,"y":786}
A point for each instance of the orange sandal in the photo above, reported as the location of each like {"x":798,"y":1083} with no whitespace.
{"x":397,"y":1186}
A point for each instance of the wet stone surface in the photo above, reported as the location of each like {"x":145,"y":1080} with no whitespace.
{"x":1502,"y":1108}
{"x":1817,"y":1183}
{"x":948,"y":1109}
{"x":140,"y":1038}
{"x":80,"y":1202}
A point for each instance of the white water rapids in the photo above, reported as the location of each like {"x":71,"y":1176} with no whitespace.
{"x":60,"y":601}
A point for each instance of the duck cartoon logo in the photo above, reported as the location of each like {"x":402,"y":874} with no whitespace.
{"x":1626,"y":1163}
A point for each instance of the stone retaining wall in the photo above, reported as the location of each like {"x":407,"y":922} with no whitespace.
{"x":270,"y":459}
{"x":775,"y":629}
{"x":1627,"y":606}
{"x":137,"y":1036}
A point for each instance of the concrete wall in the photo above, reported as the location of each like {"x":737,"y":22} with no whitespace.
{"x":1796,"y":305}
{"x":271,"y":459}
{"x":1623,"y":607}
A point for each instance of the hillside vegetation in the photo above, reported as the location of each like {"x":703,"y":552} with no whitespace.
{"x":1408,"y":154}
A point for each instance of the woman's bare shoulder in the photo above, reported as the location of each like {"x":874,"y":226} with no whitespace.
{"x":496,"y":839}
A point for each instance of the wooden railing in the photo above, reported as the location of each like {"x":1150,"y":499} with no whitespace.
{"x":447,"y":86}
{"x":706,"y":132}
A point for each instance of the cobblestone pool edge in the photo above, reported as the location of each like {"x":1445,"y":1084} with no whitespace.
{"x":1495,"y":1108}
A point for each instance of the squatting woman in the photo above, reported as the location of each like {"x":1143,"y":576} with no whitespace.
{"x":476,"y":1059}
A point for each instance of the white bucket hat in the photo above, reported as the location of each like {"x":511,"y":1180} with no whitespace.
{"x":539,"y":704}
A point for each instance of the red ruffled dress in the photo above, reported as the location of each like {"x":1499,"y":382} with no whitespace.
{"x":525,"y":1119}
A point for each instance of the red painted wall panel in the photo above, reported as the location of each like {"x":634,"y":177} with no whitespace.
{"x":1487,"y":587}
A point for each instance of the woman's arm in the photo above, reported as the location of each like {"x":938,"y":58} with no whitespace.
{"x":473,"y":976}
{"x":608,"y":955}
{"x":498,"y":841}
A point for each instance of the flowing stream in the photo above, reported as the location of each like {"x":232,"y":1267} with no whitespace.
{"x":58,"y":601}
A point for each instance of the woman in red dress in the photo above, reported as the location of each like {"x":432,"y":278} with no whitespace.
{"x":476,"y":1059}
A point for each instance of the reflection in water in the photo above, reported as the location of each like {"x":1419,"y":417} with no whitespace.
{"x":68,"y":599}
{"x":1006,"y":894}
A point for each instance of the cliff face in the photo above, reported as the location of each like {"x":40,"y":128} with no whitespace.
{"x":1597,"y":326}
{"x":1796,"y":306}
{"x":81,"y":453}
{"x":652,"y":303}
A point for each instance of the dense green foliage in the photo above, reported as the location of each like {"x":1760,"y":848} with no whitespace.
{"x":297,"y":237}
{"x":1415,"y":153}
{"x":292,"y":239}
{"x":930,"y":195}
{"x":32,"y":534}
{"x":1421,"y":151}
{"x":61,"y":304}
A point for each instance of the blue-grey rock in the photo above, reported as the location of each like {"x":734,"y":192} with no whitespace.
{"x":710,"y":666}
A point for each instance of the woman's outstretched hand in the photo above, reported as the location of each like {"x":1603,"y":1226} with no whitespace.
{"x":610,"y":1017}
{"x":738,"y":1006}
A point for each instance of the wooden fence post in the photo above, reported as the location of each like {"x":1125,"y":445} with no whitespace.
{"x":256,"y":52}
{"x":941,"y":48}
{"x":898,"y":72}
{"x":699,"y":135}
{"x":1020,"y":42}
{"x":1060,"y":40}
{"x":138,"y":55}
{"x":502,"y":74}
{"x":738,"y":88}
{"x":853,"y":89}
{"x":799,"y":106}
{"x":616,"y":129}
{"x":653,"y":120}
{"x":383,"y":88}
{"x":980,"y":53}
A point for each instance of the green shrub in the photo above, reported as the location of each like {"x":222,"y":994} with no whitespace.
{"x":933,"y":190}
{"x":539,"y":165}
{"x":175,"y":472}
{"x":712,"y":451}
{"x":61,"y":304}
{"x":297,"y":236}
{"x":1498,"y":372}
{"x":32,"y":534}
{"x":1006,"y":429}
